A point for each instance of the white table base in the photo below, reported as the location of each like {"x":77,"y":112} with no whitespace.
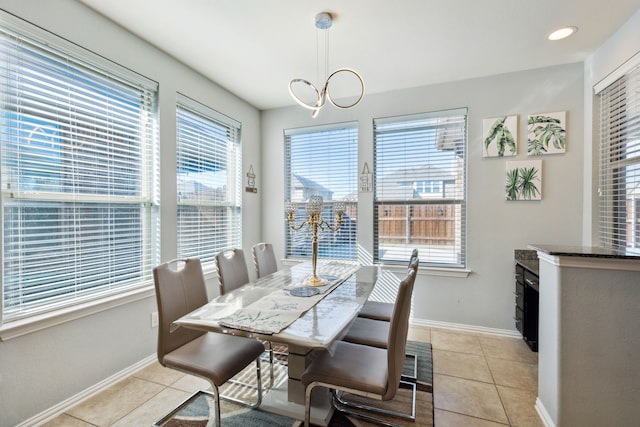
{"x":277,"y":401}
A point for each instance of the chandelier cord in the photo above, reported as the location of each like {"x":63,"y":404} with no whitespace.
{"x":320,"y":76}
{"x":326,"y":54}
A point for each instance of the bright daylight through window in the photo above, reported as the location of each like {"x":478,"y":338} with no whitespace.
{"x":420,"y":188}
{"x":208,"y":181}
{"x":323,"y":161}
{"x":79,"y":155}
{"x":620,"y":163}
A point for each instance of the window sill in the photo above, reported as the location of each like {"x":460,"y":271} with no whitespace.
{"x":398,"y":268}
{"x":429,"y":271}
{"x":36,"y":323}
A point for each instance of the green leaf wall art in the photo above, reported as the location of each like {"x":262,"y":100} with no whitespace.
{"x":523,"y":180}
{"x":500,"y":136}
{"x":546,"y":133}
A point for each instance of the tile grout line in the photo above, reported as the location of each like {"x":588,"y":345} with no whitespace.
{"x":475,"y":417}
{"x":504,"y":408}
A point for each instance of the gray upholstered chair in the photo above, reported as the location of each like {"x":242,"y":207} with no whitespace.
{"x":382,"y":310}
{"x":368,"y":332}
{"x":212,"y":356}
{"x":233,"y":273}
{"x":341,"y":369}
{"x":264,"y":259}
{"x":232,"y":269}
{"x":375,"y":333}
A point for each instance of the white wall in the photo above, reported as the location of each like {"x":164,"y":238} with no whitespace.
{"x":494,"y":227}
{"x":41,"y":369}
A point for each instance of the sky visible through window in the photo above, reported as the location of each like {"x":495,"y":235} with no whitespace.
{"x":332,"y":165}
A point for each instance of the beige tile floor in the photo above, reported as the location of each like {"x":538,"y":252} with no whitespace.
{"x":479,"y":381}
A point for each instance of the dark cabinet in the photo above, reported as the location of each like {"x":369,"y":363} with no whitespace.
{"x":526,"y":305}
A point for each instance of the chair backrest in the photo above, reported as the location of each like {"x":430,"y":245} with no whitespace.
{"x":398,"y":330}
{"x":264,"y":259}
{"x":232,"y":269}
{"x":412,"y":260}
{"x":178,"y":292}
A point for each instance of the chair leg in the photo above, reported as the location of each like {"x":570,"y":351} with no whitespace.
{"x":412,"y":378}
{"x":216,"y":395}
{"x":354,"y":408}
{"x":217,"y":401}
{"x":258,"y":387}
{"x":259,"y":380}
{"x":180,"y":407}
{"x":270,"y":351}
{"x":307,"y":404}
{"x":273,"y":360}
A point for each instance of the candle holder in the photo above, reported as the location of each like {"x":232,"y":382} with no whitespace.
{"x":315,"y":223}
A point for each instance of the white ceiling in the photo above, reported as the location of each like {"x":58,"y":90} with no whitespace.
{"x":254,"y":48}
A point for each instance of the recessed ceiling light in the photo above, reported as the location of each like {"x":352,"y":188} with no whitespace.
{"x":562,"y":33}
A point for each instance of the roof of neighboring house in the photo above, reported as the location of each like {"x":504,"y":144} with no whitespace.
{"x":423,"y":173}
{"x":397,"y":184}
{"x":635,"y":190}
{"x":302,"y":182}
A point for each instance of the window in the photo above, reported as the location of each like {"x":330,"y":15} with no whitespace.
{"x":323,"y":161}
{"x":620,"y":163}
{"x":78,"y":156}
{"x":420,"y":186}
{"x":208,"y":181}
{"x":433,"y":186}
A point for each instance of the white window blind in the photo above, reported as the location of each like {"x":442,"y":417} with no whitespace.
{"x":209,"y":181}
{"x":79,"y":155}
{"x":323,"y":161}
{"x":420,"y":188}
{"x":620,"y":163}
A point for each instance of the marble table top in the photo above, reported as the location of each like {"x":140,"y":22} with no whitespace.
{"x":318,"y":327}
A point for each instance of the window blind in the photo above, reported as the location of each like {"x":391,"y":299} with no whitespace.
{"x":323,"y":161}
{"x":420,"y":188}
{"x":79,"y":154}
{"x":619,"y":186}
{"x":209,"y":181}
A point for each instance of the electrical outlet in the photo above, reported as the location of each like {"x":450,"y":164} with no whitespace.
{"x":154,"y":319}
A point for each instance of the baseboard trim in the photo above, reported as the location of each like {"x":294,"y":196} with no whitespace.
{"x":76,"y":399}
{"x":543,"y":414}
{"x":466,"y":328}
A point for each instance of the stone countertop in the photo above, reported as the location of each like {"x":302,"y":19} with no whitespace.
{"x":528,"y":258}
{"x":586,"y":251}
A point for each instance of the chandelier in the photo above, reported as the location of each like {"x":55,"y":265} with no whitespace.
{"x":320,"y":97}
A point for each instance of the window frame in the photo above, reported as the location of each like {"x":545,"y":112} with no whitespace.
{"x":233,"y":195}
{"x":618,"y":110}
{"x":348,"y":229}
{"x":403,"y":122}
{"x":54,"y":48}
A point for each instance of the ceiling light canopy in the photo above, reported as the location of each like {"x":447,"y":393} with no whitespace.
{"x":562,"y":33}
{"x":318,"y":98}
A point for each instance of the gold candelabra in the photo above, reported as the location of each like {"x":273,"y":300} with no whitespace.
{"x":315,"y":223}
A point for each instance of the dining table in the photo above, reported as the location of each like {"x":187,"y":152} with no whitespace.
{"x":280,"y":308}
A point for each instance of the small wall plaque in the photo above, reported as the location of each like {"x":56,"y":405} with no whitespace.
{"x":251,"y":181}
{"x":366,"y":179}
